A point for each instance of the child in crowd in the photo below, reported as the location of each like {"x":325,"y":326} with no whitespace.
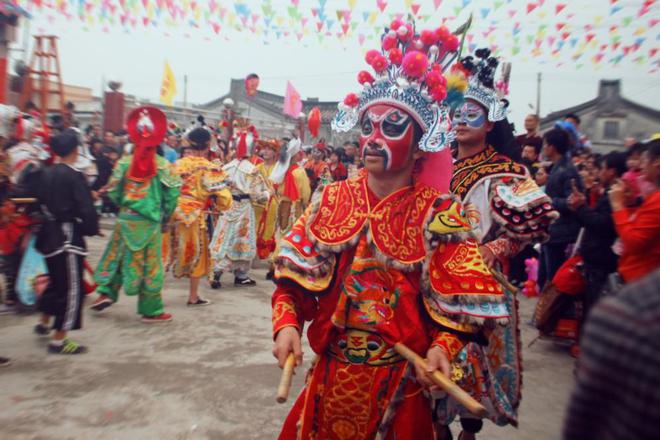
{"x":67,"y":204}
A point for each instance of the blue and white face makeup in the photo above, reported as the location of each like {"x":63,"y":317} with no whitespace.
{"x":470,"y":114}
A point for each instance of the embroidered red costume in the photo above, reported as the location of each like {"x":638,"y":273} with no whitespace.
{"x":359,"y":268}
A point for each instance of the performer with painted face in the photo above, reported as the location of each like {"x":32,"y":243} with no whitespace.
{"x":146,"y":191}
{"x":384,"y":259}
{"x":507,"y":211}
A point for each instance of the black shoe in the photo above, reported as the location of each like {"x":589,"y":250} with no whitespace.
{"x":5,"y":362}
{"x":68,"y":347}
{"x":41,"y":329}
{"x":199,"y":302}
{"x":215,"y":281}
{"x":101,"y":303}
{"x":247,"y":281}
{"x":270,"y":275}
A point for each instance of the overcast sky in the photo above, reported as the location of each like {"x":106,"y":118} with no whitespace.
{"x":327,"y":70}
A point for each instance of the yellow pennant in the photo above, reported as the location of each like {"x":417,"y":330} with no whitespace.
{"x":168,"y":86}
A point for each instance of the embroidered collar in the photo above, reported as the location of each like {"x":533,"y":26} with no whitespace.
{"x":470,"y":171}
{"x":396,"y":223}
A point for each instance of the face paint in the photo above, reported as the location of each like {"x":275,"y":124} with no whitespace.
{"x":387,"y":132}
{"x":470,"y":114}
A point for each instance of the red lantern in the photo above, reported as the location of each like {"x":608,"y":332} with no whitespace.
{"x":251,"y":84}
{"x":314,"y":121}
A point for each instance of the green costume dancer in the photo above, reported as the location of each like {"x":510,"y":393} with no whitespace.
{"x":146,"y":192}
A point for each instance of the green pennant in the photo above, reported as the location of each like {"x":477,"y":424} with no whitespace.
{"x":457,"y":10}
{"x":627,"y":20}
{"x":530,"y":39}
{"x":515,"y":50}
{"x":498,"y":4}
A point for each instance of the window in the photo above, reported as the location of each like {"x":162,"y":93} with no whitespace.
{"x":611,"y":130}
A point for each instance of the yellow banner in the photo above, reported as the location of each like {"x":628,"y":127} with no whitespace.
{"x":168,"y":87}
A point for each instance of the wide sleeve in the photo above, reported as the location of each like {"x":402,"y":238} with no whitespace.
{"x":115,"y":185}
{"x":522,"y":210}
{"x":170,"y":187}
{"x":459,"y":292}
{"x":639,"y":231}
{"x":300,"y":261}
{"x":291,"y":307}
{"x":304,"y":188}
{"x":84,"y":205}
{"x":215,"y":183}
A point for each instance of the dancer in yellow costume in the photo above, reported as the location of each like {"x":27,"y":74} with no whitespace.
{"x":202,"y":180}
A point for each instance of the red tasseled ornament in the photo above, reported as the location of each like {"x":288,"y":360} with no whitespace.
{"x":396,"y":56}
{"x":415,"y":64}
{"x":429,"y":38}
{"x":351,"y":100}
{"x":365,"y":77}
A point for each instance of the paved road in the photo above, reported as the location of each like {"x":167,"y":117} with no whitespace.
{"x":208,"y":374}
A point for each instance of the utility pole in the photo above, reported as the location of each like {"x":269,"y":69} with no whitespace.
{"x":538,"y":94}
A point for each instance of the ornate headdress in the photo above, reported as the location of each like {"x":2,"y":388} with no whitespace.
{"x":480,"y":70}
{"x":147,"y":127}
{"x":273,"y":144}
{"x":245,"y":134}
{"x":409,"y":74}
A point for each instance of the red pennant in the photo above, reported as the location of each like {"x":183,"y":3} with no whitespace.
{"x":145,"y":21}
{"x":560,"y":7}
{"x":415,"y":8}
{"x":560,"y":26}
{"x":590,"y":37}
{"x":216,"y":27}
{"x":319,"y":25}
{"x":616,"y":45}
{"x":345,"y":27}
{"x":531,"y":7}
{"x":653,"y":52}
{"x":512,"y":12}
{"x":565,"y":35}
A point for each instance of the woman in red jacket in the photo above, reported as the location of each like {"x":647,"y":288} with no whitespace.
{"x":639,"y":229}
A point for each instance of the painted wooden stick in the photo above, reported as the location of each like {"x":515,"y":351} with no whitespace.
{"x":285,"y":380}
{"x":442,"y":381}
{"x":22,"y":200}
{"x":499,"y":276}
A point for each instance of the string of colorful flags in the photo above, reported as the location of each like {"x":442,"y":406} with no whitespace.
{"x":557,"y":32}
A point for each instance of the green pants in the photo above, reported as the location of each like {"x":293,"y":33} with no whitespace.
{"x":133,"y":260}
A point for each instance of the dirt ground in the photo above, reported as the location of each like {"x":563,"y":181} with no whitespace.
{"x":208,"y":374}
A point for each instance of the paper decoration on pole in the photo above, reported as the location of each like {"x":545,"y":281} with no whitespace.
{"x":292,"y":101}
{"x":355,"y":22}
{"x":251,"y":84}
{"x":314,"y":121}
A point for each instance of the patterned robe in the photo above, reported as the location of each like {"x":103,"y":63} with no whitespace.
{"x":132,"y":258}
{"x":189,"y":238}
{"x":369,"y":273}
{"x":234,"y":243}
{"x":507,"y":210}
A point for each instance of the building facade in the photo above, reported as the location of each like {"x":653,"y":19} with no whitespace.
{"x":265,"y":111}
{"x":610,"y":118}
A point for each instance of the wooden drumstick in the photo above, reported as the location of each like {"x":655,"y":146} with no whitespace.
{"x":442,"y":381}
{"x":285,"y":380}
{"x":23,"y":200}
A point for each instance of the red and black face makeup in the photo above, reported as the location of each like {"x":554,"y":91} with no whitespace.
{"x":388,"y":133}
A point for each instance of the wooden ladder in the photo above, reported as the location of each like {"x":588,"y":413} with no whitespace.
{"x":44,"y":78}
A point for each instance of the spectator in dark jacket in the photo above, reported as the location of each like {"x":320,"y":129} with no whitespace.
{"x":562,"y":179}
{"x":599,"y":231}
